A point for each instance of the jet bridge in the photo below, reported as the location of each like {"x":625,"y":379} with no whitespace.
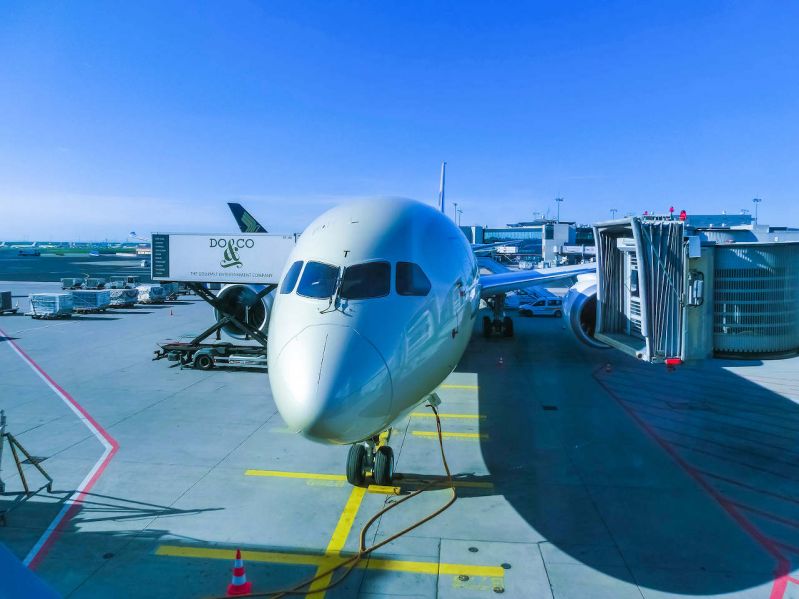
{"x":670,"y":292}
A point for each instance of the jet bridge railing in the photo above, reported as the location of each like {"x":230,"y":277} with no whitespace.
{"x":643,"y":274}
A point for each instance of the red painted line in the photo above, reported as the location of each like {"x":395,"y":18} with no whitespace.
{"x":72,"y":504}
{"x":783,"y":566}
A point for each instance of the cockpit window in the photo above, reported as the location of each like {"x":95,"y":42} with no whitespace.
{"x":411,"y":279}
{"x":290,"y":280}
{"x":318,"y":280}
{"x":362,"y":281}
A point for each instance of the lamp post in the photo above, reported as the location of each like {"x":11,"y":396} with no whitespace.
{"x":559,"y":201}
{"x":756,"y":201}
{"x":456,"y":210}
{"x":613,"y":212}
{"x":458,"y":213}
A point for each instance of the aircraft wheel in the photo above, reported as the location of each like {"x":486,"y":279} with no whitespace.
{"x":355,"y":465}
{"x":507,"y":326}
{"x":486,"y":326}
{"x":384,"y":466}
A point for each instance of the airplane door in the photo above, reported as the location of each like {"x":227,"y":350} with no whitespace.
{"x":458,"y":298}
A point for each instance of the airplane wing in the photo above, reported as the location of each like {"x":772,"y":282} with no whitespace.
{"x":245,"y":220}
{"x":521,"y":279}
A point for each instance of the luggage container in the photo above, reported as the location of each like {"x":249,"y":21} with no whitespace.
{"x":123,"y":297}
{"x":94,"y":283}
{"x":151,"y":294}
{"x":50,"y":305}
{"x":91,"y":300}
{"x":5,"y":303}
{"x":71,"y":283}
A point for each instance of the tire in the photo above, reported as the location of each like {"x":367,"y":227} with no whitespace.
{"x":384,"y":466}
{"x":204,"y":362}
{"x":355,"y":463}
{"x":558,"y":313}
{"x":486,"y":327}
{"x":507,"y":326}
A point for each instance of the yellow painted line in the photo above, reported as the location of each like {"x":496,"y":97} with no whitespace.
{"x":272,"y":557}
{"x":434,"y":435}
{"x":312,"y":476}
{"x":384,"y":490}
{"x":299,"y":559}
{"x":471,"y":387}
{"x":453,"y":416}
{"x":303,"y":475}
{"x":337,"y":541}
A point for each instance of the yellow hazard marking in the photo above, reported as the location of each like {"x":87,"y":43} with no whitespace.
{"x":338,"y":480}
{"x":305,"y":475}
{"x":337,"y":541}
{"x":459,"y":416}
{"x":299,"y":559}
{"x":472,"y":387}
{"x":434,"y":435}
{"x":312,"y":478}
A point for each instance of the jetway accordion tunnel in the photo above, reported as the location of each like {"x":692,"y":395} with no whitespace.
{"x":666,"y":290}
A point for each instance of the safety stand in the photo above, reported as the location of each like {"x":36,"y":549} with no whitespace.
{"x":15,"y":447}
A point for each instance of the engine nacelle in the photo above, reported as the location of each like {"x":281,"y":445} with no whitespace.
{"x":242,"y":302}
{"x":579,"y":310}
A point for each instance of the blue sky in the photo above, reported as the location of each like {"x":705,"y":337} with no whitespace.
{"x":151,"y":115}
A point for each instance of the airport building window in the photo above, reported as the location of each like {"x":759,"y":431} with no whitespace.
{"x":362,"y":281}
{"x":318,"y":280}
{"x":290,"y":280}
{"x":411,"y":279}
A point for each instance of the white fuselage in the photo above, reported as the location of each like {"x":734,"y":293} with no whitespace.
{"x":343,"y":370}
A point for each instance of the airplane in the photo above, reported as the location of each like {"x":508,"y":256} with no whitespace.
{"x":374,"y":309}
{"x":245,"y":220}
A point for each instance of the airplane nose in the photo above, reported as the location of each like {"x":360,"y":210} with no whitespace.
{"x":331,"y":384}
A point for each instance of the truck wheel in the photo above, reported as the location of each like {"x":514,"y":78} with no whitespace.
{"x":204,"y":362}
{"x":558,"y":313}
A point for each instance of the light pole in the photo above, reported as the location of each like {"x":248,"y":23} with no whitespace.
{"x":613,"y":212}
{"x":456,"y":210}
{"x":559,"y":201}
{"x":458,"y":213}
{"x":756,"y":201}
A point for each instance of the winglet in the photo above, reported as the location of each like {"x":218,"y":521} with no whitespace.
{"x":246,"y":221}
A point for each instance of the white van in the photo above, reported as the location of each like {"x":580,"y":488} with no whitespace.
{"x":543,"y":307}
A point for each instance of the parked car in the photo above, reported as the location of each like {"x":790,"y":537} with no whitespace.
{"x":543,"y":307}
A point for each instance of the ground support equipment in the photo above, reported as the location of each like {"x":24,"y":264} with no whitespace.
{"x":17,"y":448}
{"x":198,"y":354}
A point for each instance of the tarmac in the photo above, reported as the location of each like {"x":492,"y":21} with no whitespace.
{"x":579,"y":472}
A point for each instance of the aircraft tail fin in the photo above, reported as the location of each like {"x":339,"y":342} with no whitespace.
{"x":245,"y":220}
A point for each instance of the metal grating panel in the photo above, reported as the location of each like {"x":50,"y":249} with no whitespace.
{"x":756,"y":298}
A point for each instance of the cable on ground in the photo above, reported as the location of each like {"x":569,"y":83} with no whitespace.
{"x":352,"y":562}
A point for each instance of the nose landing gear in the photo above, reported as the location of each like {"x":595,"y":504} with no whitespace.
{"x":373,"y":455}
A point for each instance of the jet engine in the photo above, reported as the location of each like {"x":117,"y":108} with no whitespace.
{"x":242,"y":302}
{"x":579,"y":310}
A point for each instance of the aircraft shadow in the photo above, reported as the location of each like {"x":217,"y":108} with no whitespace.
{"x":682,"y":481}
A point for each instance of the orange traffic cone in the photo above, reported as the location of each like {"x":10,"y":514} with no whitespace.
{"x":239,"y":584}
